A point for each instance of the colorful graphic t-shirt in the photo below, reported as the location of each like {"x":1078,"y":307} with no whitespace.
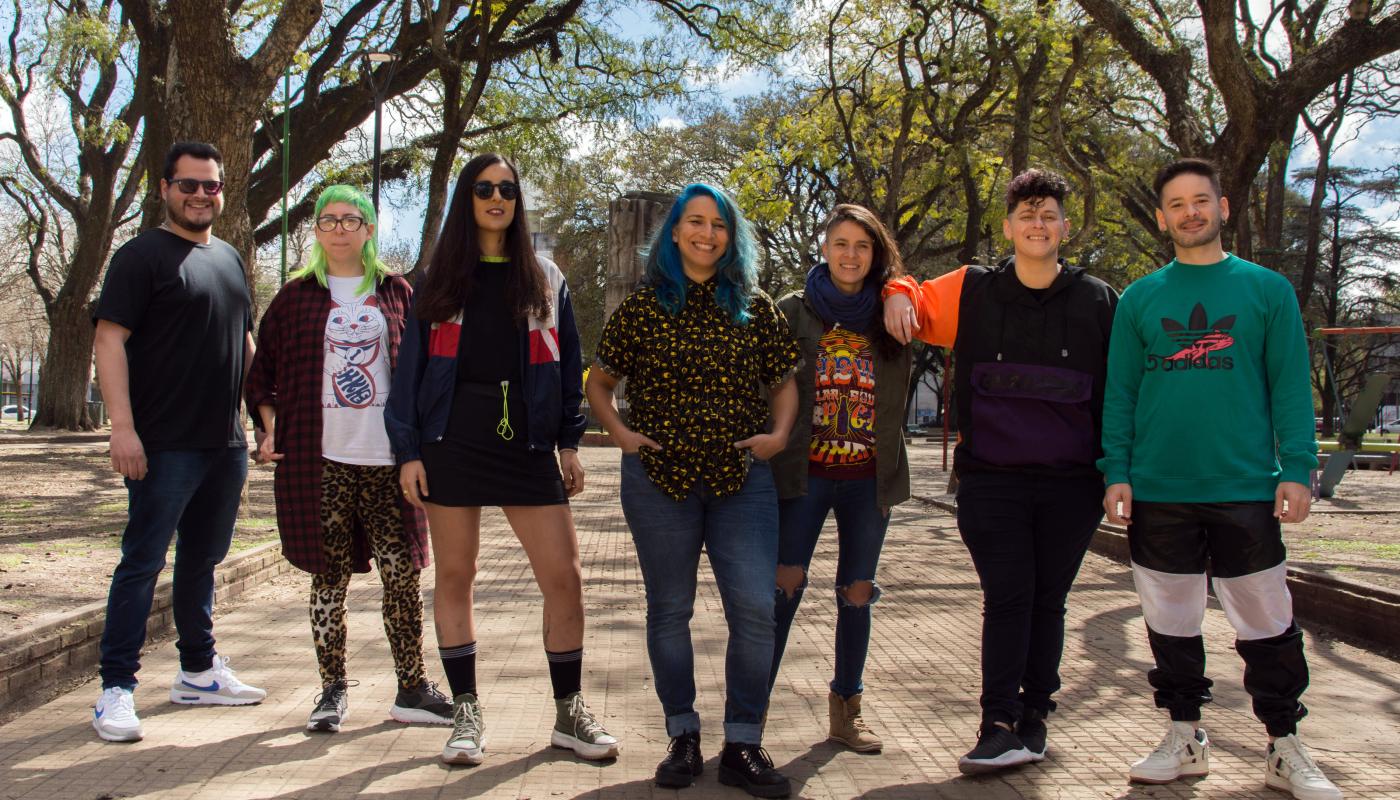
{"x":843,"y":407}
{"x":355,"y":378}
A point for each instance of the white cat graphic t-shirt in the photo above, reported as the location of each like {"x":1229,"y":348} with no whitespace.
{"x":355,"y":378}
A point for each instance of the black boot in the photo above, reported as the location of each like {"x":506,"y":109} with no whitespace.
{"x":748,"y":766}
{"x":683,"y":763}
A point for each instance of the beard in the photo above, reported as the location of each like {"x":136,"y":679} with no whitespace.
{"x":1205,"y":235}
{"x":177,"y":216}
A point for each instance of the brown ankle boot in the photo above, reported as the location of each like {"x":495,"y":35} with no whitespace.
{"x":847,"y":727}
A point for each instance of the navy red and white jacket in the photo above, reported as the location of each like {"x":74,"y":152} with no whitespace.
{"x":420,"y":398}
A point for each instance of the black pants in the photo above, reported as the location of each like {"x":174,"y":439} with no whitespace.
{"x":1173,"y":545}
{"x":1027,"y":536}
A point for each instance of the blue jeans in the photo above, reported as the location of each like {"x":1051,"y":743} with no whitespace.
{"x":860,"y":534}
{"x":740,"y":535}
{"x":194,"y":493}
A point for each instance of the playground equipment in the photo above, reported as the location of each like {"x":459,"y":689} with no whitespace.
{"x":1359,"y":417}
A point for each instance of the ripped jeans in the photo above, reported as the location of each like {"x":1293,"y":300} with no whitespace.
{"x":860,"y":532}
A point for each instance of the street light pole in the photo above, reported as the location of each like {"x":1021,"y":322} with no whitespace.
{"x":380,"y":87}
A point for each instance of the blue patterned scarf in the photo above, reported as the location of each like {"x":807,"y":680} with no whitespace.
{"x":855,"y":312}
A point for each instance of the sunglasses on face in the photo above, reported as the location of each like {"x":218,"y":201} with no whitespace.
{"x":327,"y":223}
{"x":484,"y":189}
{"x":190,"y":185}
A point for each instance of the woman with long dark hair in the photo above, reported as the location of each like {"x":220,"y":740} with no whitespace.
{"x":850,"y":459}
{"x":698,"y":343}
{"x":488,"y":387}
{"x":318,"y":386}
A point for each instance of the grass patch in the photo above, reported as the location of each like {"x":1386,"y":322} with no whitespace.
{"x":257,"y":522}
{"x":114,"y":507}
{"x":249,"y":542}
{"x":1387,"y":551}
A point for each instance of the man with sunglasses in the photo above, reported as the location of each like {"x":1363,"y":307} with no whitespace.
{"x":173,"y":340}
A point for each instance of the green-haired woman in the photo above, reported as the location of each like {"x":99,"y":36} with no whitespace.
{"x":318,"y":383}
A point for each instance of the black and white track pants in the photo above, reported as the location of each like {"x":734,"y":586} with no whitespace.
{"x":1173,"y":547}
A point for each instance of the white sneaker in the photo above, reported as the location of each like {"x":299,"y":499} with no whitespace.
{"x":114,"y":716}
{"x":215,"y":686}
{"x":1183,"y":753}
{"x":1289,"y":768}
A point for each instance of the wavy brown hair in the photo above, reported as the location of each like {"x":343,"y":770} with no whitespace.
{"x":885,"y":264}
{"x":451,"y":270}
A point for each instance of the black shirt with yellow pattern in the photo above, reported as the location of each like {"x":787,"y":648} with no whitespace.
{"x":696,"y":382}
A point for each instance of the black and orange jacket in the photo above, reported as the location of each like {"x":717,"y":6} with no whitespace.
{"x":1028,"y":375}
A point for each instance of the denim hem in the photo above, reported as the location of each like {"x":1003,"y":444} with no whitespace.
{"x":680,"y":724}
{"x":743,"y":733}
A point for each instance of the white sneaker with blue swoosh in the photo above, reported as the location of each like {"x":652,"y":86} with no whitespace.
{"x":217,"y":686}
{"x":114,"y":717}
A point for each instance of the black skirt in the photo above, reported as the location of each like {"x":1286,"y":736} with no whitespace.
{"x":485,"y":459}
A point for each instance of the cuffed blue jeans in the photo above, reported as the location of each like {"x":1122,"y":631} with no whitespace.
{"x":740,"y":535}
{"x":192,"y":493}
{"x":860,"y":534}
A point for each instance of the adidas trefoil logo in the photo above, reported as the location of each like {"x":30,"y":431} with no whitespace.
{"x":1196,"y":341}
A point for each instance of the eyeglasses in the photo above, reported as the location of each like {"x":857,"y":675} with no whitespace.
{"x":190,"y":185}
{"x":327,"y":223}
{"x":484,"y":189}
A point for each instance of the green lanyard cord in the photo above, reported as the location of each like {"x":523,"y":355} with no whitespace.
{"x":503,"y":429}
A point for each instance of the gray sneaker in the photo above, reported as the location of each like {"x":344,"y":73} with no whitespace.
{"x":425,"y":704}
{"x":576,"y":729}
{"x":332,"y":708}
{"x":467,"y":742}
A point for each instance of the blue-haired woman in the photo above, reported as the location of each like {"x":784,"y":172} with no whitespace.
{"x":709,"y":362}
{"x":318,"y":386}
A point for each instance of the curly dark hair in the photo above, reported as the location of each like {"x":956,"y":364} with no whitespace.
{"x":1036,"y":183}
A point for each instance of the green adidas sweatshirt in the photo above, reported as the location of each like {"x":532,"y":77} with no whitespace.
{"x":1208,"y":397}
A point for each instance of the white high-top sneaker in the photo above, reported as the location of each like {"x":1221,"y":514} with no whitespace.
{"x":1183,"y":753}
{"x":1290,"y":768}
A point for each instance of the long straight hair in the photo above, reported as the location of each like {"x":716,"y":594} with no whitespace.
{"x":886,"y":264}
{"x":451,"y":270}
{"x":316,"y":263}
{"x":736,"y":271}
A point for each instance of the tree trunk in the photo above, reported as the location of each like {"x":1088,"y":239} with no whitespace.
{"x":67,"y":368}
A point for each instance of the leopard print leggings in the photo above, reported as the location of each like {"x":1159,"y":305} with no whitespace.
{"x":370,"y":493}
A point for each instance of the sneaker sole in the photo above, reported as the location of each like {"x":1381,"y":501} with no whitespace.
{"x":460,"y":755}
{"x":1159,"y":779}
{"x":1014,"y":758}
{"x":202,"y":699}
{"x":868,"y":748}
{"x":1282,"y":785}
{"x":417,"y":715}
{"x":111,"y":736}
{"x":585,"y":750}
{"x":327,"y":725}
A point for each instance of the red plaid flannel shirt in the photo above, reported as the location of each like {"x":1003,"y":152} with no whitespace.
{"x":286,"y":373}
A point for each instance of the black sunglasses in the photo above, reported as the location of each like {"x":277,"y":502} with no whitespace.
{"x":189,"y":185}
{"x":484,"y":189}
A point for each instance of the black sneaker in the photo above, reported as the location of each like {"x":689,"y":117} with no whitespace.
{"x":1031,"y":732}
{"x":332,"y":707}
{"x":683,"y":762}
{"x":749,"y":767}
{"x":997,"y":748}
{"x":424,"y":704}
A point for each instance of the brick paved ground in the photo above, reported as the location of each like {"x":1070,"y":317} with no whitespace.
{"x":921,"y":696}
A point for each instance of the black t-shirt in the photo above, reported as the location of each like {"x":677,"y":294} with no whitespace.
{"x":189,"y":312}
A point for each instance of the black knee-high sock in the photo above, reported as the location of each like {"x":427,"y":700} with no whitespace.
{"x":459,"y":664}
{"x":565,"y":672}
